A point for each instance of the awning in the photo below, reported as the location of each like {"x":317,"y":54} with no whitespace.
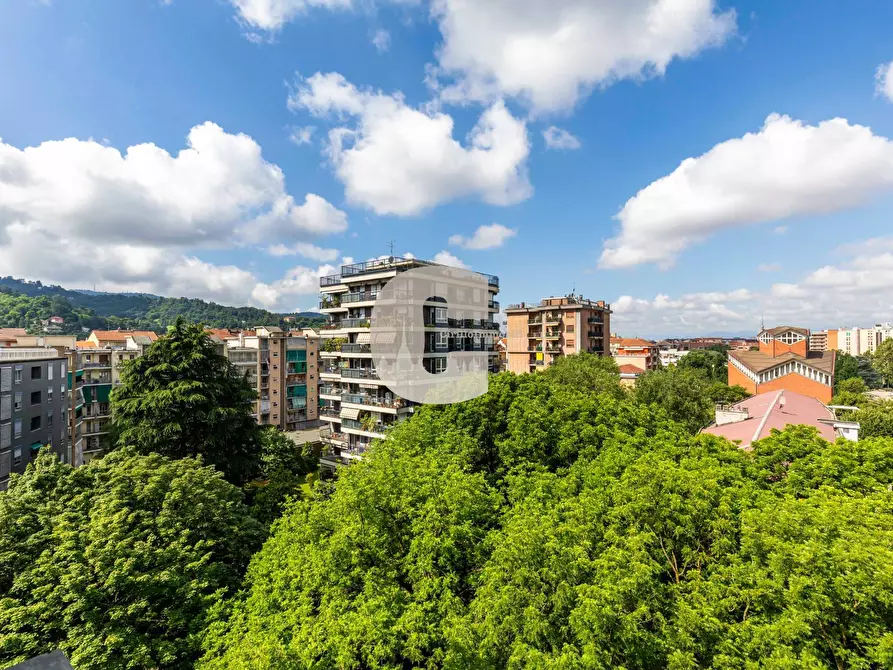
{"x":387,"y":337}
{"x":350,"y":413}
{"x":364,"y":338}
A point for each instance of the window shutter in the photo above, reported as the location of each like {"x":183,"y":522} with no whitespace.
{"x":5,"y":407}
{"x":4,"y":464}
{"x":5,"y":436}
{"x":5,"y":378}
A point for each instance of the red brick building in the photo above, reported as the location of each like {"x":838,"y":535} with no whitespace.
{"x":784,"y":362}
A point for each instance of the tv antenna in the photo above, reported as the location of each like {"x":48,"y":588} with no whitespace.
{"x":391,"y":244}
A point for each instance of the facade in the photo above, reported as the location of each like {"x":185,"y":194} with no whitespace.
{"x":635,"y":351}
{"x":33,"y":407}
{"x":283,"y":368}
{"x":670,"y":352}
{"x":784,"y":362}
{"x":537,"y":335}
{"x":354,"y":405}
{"x":862,"y":341}
{"x":755,"y":418}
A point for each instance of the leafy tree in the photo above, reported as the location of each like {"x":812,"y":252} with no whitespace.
{"x":867,"y":372}
{"x":845,"y":367}
{"x":851,"y":392}
{"x":720,"y":392}
{"x":183,"y":399}
{"x":875,"y":420}
{"x":587,"y":372}
{"x":285,"y":465}
{"x":681,"y":392}
{"x":117,"y":563}
{"x":882,"y":361}
{"x":711,"y":361}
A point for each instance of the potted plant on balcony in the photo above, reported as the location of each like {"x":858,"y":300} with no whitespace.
{"x":369,"y":422}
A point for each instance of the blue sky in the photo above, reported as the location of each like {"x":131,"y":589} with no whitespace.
{"x":791,"y":224}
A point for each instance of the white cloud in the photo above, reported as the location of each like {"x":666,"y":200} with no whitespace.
{"x":560,"y":139}
{"x":780,"y":230}
{"x":855,"y":292}
{"x":302,"y":135}
{"x":883,"y":79}
{"x":446,"y":258}
{"x":271,"y":15}
{"x":78,"y":212}
{"x":551,"y":54}
{"x":304,"y":249}
{"x":787,"y":169}
{"x":485,"y":237}
{"x":768,"y":267}
{"x":396,"y":159}
{"x":381,"y":40}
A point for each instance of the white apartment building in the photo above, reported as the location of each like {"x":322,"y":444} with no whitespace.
{"x":861,"y":341}
{"x":355,"y":406}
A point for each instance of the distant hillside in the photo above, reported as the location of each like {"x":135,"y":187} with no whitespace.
{"x":23,"y":303}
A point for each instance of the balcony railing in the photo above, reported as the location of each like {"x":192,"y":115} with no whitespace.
{"x":330,"y":412}
{"x":553,"y":335}
{"x":359,"y":297}
{"x":595,"y":334}
{"x":353,"y":348}
{"x":370,"y":400}
{"x":534,"y":322}
{"x":595,"y":319}
{"x":537,"y":362}
{"x":358,"y":373}
{"x":493,"y":304}
{"x":97,"y":379}
{"x":355,"y":323}
{"x":329,"y":303}
{"x":332,"y":437}
{"x":330,"y":390}
{"x":330,"y":280}
{"x":98,"y":364}
{"x":377,"y":427}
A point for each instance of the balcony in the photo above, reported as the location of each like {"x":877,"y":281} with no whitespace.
{"x":534,"y":322}
{"x":371,"y":401}
{"x":598,"y":335}
{"x":330,"y":303}
{"x":553,"y":319}
{"x":96,"y":365}
{"x":359,"y":297}
{"x":349,"y":348}
{"x":537,"y":363}
{"x":329,"y":412}
{"x":358,"y":373}
{"x":553,"y":350}
{"x":97,"y":379}
{"x":553,"y":334}
{"x":493,"y":304}
{"x":330,"y":390}
{"x":351,"y":424}
{"x":330,"y":436}
{"x":595,"y":319}
{"x":330,"y":280}
{"x":355,"y":323}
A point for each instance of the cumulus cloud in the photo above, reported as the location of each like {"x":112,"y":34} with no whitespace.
{"x":304,"y":249}
{"x":883,"y":79}
{"x":80,"y":212}
{"x":787,"y":169}
{"x":271,"y":15}
{"x":768,"y":267}
{"x":485,"y":237}
{"x":396,"y":159}
{"x":852,"y":292}
{"x":560,"y":139}
{"x":381,"y":40}
{"x":446,"y":258}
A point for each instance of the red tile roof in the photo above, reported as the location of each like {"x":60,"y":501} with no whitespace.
{"x":765,"y":412}
{"x":629,"y":369}
{"x":631,"y":342}
{"x":85,"y":344}
{"x":121,"y":335}
{"x":12,"y":333}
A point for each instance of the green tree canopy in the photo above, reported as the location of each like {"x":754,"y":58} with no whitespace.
{"x":711,"y":361}
{"x":117,"y":563}
{"x":875,"y":420}
{"x":681,"y":391}
{"x":284,"y":464}
{"x":543,"y":526}
{"x":882,"y":361}
{"x":845,"y":367}
{"x":182,"y":398}
{"x":587,"y":372}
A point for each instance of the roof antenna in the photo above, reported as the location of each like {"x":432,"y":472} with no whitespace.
{"x":392,"y":249}
{"x":762,"y":323}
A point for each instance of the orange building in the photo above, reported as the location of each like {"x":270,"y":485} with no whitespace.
{"x":559,"y":326}
{"x":784,"y":362}
{"x":635,"y":351}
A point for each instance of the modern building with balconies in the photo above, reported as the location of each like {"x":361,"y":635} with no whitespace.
{"x":539,"y":334}
{"x":33,"y":407}
{"x":355,"y":406}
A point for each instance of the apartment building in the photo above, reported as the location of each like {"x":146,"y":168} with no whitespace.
{"x":355,"y":406}
{"x":862,"y":341}
{"x":784,"y":362}
{"x":635,"y":352}
{"x":537,"y":335}
{"x":283,"y":368}
{"x":670,"y":352}
{"x":33,"y":407}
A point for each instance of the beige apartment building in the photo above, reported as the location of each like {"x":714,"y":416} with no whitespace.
{"x":355,"y":405}
{"x":558,"y":326}
{"x":853,"y":341}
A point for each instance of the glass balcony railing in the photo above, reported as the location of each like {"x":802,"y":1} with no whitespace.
{"x":359,"y":297}
{"x":371,"y":401}
{"x":352,"y":348}
{"x":358,"y":373}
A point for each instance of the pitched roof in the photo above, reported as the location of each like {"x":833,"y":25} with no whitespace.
{"x":222,"y":333}
{"x":631,"y":342}
{"x":121,"y":335}
{"x":12,"y":333}
{"x":85,"y":344}
{"x":766,"y":412}
{"x":778,"y":330}
{"x":629,"y":369}
{"x":757,"y":361}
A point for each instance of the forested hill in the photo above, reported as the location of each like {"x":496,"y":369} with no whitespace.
{"x":23,"y":303}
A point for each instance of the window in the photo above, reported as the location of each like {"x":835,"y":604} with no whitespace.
{"x":18,"y":374}
{"x":440,"y":339}
{"x":569,"y":328}
{"x":49,"y":394}
{"x":35,"y":422}
{"x":49,"y":418}
{"x":64,"y":368}
{"x":35,"y":397}
{"x":569,"y":343}
{"x":17,"y":428}
{"x":440,"y":365}
{"x":62,"y":389}
{"x":49,"y":371}
{"x":36,"y":372}
{"x":17,"y":457}
{"x":18,"y":401}
{"x":440,"y":314}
